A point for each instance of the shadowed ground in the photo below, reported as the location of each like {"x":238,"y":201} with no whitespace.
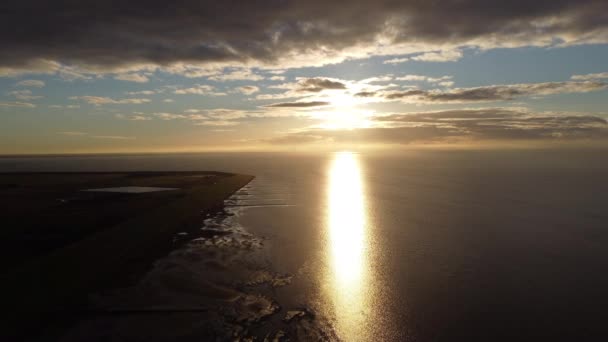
{"x":60,"y":243}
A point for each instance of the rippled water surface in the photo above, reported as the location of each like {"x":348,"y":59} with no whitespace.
{"x":428,"y":245}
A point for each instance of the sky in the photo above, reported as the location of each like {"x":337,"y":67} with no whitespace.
{"x":157,"y":76}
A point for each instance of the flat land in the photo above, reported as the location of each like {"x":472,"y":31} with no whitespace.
{"x":60,"y":243}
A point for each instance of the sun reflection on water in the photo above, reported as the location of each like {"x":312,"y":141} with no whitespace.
{"x":347,"y":250}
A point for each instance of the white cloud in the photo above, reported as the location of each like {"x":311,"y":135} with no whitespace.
{"x":590,"y":77}
{"x":199,"y":89}
{"x":24,"y":94}
{"x":396,"y":60}
{"x":30,"y":83}
{"x":143,"y":92}
{"x":134,"y":77}
{"x":439,"y":56}
{"x":411,"y":78}
{"x":135,"y":117}
{"x":422,"y":78}
{"x":66,"y":106}
{"x":170,"y":116}
{"x":218,"y":123}
{"x":99,"y":100}
{"x":240,"y":75}
{"x":377,"y":79}
{"x":68,"y":73}
{"x":17,"y":104}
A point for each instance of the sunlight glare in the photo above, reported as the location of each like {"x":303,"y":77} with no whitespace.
{"x":347,"y":243}
{"x":345,"y":119}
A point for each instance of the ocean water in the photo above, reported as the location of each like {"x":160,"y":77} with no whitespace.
{"x":416,"y":245}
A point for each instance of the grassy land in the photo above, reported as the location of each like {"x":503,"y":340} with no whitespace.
{"x":88,"y":242}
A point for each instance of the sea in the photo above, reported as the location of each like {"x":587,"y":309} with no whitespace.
{"x":409,"y":245}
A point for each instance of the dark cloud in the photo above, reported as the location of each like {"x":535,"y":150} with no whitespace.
{"x":298,"y":104}
{"x":317,"y":84}
{"x":466,"y":125}
{"x":109,"y":34}
{"x":365,"y":94}
{"x":298,"y":138}
{"x":492,"y":93}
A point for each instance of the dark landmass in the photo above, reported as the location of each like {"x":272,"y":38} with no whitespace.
{"x":60,"y":243}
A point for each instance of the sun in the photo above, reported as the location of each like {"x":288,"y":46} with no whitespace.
{"x":350,"y":118}
{"x":343,"y":114}
{"x":343,"y":101}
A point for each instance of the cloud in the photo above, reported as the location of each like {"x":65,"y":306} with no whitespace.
{"x":311,"y":90}
{"x":590,"y":77}
{"x":365,"y":94}
{"x":170,"y":116}
{"x":199,"y":90}
{"x":439,"y":56}
{"x":304,"y":87}
{"x":411,"y":78}
{"x":64,"y":106}
{"x":142,"y":92}
{"x":34,"y":65}
{"x":17,"y":104}
{"x":168,"y":100}
{"x":240,"y":75}
{"x":217,"y":123}
{"x":465,"y":125}
{"x":277,"y":35}
{"x":99,"y":100}
{"x":30,"y":83}
{"x":302,"y":104}
{"x":24,"y":94}
{"x":432,"y":56}
{"x":378,"y":79}
{"x":277,"y":78}
{"x":112,"y":137}
{"x":132,"y":78}
{"x":396,"y":60}
{"x":70,"y":74}
{"x":87,"y":135}
{"x":247,"y":90}
{"x":296,"y":139}
{"x":493,"y":92}
{"x":210,"y":117}
{"x":135,"y":117}
{"x":317,"y":84}
{"x":72,"y":133}
{"x":424,"y":78}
